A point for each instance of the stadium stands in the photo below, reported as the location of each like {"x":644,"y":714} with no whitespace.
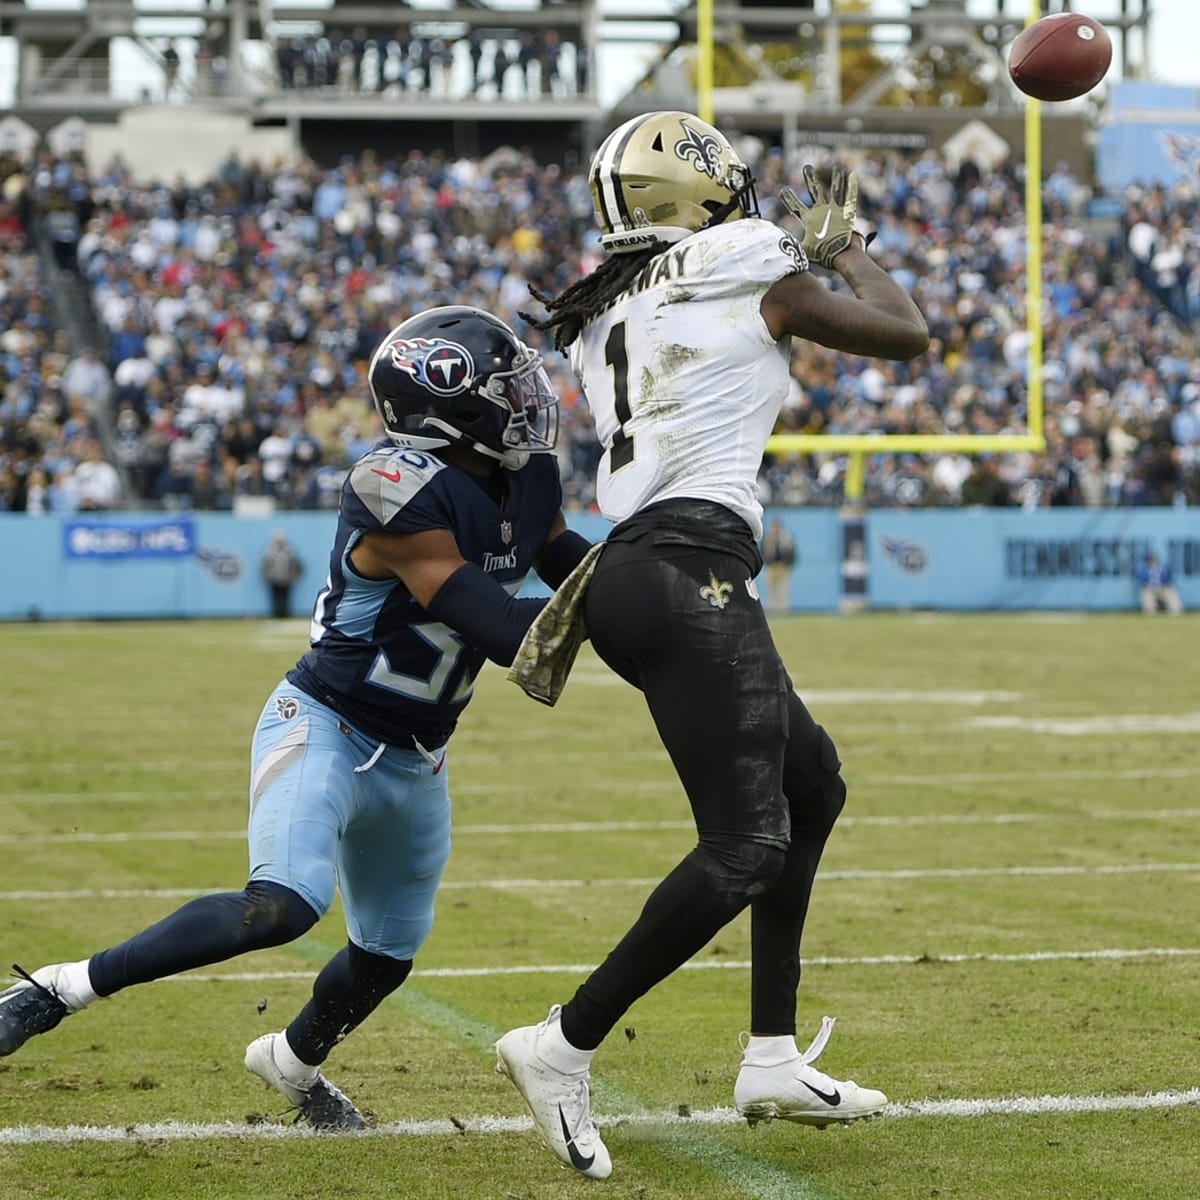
{"x":237,"y":317}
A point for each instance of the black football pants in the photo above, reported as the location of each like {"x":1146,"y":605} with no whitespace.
{"x":670,"y":609}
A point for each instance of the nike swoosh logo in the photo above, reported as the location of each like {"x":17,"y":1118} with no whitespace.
{"x":579,"y":1161}
{"x":820,"y":234}
{"x":394,"y":476}
{"x":833,"y":1099}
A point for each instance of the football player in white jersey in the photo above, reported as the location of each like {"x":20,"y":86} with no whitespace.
{"x":680,"y":340}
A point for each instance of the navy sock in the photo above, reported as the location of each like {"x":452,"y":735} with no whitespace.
{"x":349,"y":988}
{"x":206,"y":930}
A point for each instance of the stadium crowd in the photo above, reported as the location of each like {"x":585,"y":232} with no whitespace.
{"x":237,"y":318}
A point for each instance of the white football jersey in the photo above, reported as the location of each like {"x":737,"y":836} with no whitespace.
{"x":683,"y":377}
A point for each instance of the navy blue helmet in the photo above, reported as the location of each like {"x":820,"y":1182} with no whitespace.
{"x":460,"y":375}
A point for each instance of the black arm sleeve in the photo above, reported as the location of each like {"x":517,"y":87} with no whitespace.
{"x":472,"y":603}
{"x":561,"y":557}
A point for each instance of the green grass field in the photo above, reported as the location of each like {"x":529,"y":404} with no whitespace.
{"x":1006,"y":927}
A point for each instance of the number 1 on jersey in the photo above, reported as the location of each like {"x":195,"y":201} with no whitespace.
{"x":616,"y":356}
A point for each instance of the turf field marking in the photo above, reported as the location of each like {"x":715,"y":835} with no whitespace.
{"x":832,"y":696}
{"x":507,"y":829}
{"x":1027,"y":776}
{"x":466,"y":885}
{"x":671,"y":785}
{"x":1102,"y":726}
{"x":722,"y":964}
{"x":187,"y":1131}
{"x":571,"y":884}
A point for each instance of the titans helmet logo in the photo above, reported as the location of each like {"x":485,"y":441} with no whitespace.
{"x":702,"y":150}
{"x":445,"y":368}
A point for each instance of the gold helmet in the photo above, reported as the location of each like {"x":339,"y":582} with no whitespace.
{"x":661,"y":176}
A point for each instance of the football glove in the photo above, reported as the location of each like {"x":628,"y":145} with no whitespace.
{"x":829,"y":222}
{"x":547,"y":652}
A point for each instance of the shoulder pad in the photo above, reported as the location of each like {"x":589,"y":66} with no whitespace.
{"x":753,"y":249}
{"x":387,"y":479}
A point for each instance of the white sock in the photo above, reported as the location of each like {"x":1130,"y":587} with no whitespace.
{"x":554,"y":1050}
{"x":76,"y":983}
{"x":770,"y":1051}
{"x":288,"y":1063}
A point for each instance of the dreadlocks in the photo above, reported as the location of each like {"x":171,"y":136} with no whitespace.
{"x":587,"y":298}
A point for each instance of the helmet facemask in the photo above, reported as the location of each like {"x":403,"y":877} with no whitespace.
{"x":529,"y":404}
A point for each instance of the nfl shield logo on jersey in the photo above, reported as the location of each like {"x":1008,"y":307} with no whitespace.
{"x":506,"y":532}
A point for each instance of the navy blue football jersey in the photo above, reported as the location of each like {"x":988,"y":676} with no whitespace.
{"x":377,"y":656}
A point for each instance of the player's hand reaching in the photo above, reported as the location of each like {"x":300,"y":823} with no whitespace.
{"x":829,"y":221}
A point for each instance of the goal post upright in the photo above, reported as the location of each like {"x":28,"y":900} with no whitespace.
{"x":858,"y":446}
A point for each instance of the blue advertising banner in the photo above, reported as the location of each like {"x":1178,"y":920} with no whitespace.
{"x":989,"y":558}
{"x":1151,"y":134}
{"x":111,"y":538}
{"x":208,"y":564}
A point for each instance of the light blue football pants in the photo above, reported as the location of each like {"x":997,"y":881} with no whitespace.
{"x":330,"y":809}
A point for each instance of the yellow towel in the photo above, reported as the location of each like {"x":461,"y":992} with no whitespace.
{"x":547,"y":652}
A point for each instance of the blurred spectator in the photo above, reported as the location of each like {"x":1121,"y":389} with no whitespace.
{"x":475,"y":54}
{"x":87,"y":379}
{"x":98,"y":486}
{"x":170,"y":62}
{"x":1156,"y":587}
{"x":779,"y":556}
{"x":548,"y":62}
{"x":281,"y":570}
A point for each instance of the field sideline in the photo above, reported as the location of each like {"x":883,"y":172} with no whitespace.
{"x":1005,"y":925}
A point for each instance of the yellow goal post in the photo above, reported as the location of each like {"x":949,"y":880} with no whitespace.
{"x":858,"y":446}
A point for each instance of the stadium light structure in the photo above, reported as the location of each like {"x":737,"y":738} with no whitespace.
{"x":859,"y":445}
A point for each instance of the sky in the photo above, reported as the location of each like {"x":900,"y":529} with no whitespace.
{"x":1173,"y":49}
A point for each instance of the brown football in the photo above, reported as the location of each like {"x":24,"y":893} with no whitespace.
{"x":1060,"y":57}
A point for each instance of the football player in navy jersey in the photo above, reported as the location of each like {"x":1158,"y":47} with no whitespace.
{"x":438,"y":526}
{"x":680,"y":340}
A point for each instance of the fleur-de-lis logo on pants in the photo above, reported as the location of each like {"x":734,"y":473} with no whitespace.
{"x":716,"y":591}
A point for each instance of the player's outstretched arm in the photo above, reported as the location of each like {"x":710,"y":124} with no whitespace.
{"x":563,"y":552}
{"x":451,"y":590}
{"x":880,"y":320}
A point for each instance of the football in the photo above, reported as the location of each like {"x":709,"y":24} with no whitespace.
{"x":1060,"y":57}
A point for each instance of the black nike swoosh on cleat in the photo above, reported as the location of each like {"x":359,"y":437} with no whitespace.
{"x":578,"y":1161}
{"x":833,"y":1099}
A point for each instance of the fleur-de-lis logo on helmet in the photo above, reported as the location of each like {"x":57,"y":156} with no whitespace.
{"x":702,"y":150}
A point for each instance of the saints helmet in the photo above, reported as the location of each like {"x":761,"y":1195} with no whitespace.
{"x":662,"y":176}
{"x":460,"y":375}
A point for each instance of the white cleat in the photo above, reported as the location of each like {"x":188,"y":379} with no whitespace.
{"x":796,"y":1091}
{"x":560,"y":1102}
{"x":320,"y":1104}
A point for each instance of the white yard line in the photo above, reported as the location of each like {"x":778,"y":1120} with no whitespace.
{"x":728,"y":964}
{"x":521,"y":828}
{"x":503,"y":885}
{"x":184,"y":1131}
{"x":670,"y":785}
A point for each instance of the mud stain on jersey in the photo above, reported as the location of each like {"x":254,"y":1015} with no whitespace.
{"x":677,"y":295}
{"x":672,"y":357}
